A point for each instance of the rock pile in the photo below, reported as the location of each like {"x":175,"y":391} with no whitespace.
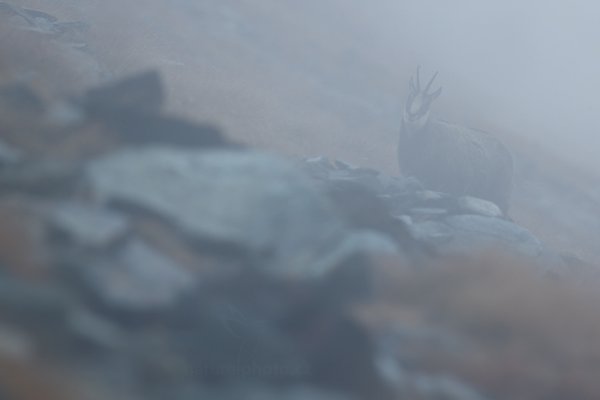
{"x":143,"y":256}
{"x":442,"y":223}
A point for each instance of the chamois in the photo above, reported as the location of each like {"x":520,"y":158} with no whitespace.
{"x":450,"y":158}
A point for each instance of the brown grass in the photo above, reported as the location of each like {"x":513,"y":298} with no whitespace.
{"x":525,"y":336}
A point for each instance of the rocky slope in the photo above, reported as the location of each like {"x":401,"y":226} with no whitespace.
{"x":146,"y":256}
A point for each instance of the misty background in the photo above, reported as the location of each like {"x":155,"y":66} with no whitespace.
{"x":287,"y":69}
{"x":531,"y":67}
{"x":518,"y":68}
{"x":329,"y":77}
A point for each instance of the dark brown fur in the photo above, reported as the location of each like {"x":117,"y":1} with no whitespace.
{"x":458,"y":160}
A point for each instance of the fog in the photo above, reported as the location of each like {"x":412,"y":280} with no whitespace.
{"x":527,"y":68}
{"x":530,"y":67}
{"x":523,"y":69}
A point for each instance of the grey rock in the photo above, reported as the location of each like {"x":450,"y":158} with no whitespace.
{"x":364,"y":241}
{"x":254,"y":391}
{"x":258,"y":202}
{"x":473,"y":230}
{"x":44,"y":177}
{"x":9,"y":155}
{"x":474,"y":205}
{"x":429,"y":196}
{"x":331,"y":171}
{"x":130,"y":107}
{"x":399,"y":185}
{"x":443,"y":388}
{"x":137,"y":278}
{"x":323,"y":167}
{"x":424,"y":200}
{"x":464,"y":234}
{"x":433,"y":232}
{"x":413,"y":384}
{"x":64,"y":115}
{"x":43,"y":23}
{"x":88,"y":225}
{"x":428,"y":212}
{"x":371,"y":241}
{"x":83,"y":324}
{"x":406,"y":341}
{"x":406,"y":220}
{"x":32,"y":305}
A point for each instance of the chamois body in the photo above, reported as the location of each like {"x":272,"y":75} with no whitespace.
{"x":451,"y":158}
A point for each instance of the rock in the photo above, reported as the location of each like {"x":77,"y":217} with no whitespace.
{"x":365,"y":199}
{"x":39,"y":307}
{"x":402,"y":351}
{"x":427,"y":212}
{"x":44,"y":23}
{"x":64,"y":115}
{"x":474,"y":205}
{"x":321,"y":167}
{"x":422,"y":204}
{"x":363,"y":210}
{"x":443,"y":388}
{"x":142,"y":92}
{"x":134,"y":128}
{"x":20,"y":98}
{"x":465,"y":234}
{"x":395,"y":186}
{"x":431,"y":232}
{"x":9,"y":155}
{"x":332,"y":172}
{"x":227,"y":332}
{"x":87,"y":225}
{"x":432,"y":198}
{"x":368,"y":241}
{"x":137,"y":279}
{"x":84,"y":325}
{"x":249,"y":391}
{"x":254,"y":201}
{"x":130,"y":108}
{"x":44,"y":177}
{"x":475,"y":229}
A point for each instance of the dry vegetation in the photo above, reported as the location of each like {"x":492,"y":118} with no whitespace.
{"x":509,"y":332}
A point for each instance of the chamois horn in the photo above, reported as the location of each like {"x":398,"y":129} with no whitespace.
{"x":431,"y":81}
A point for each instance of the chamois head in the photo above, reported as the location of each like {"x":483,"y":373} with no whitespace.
{"x":419,"y":100}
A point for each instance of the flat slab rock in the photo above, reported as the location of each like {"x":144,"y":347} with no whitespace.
{"x":257,"y":201}
{"x":137,"y":278}
{"x":88,"y":226}
{"x":465,"y":233}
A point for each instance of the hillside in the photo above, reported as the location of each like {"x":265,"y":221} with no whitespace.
{"x":282,"y":77}
{"x":201,"y":199}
